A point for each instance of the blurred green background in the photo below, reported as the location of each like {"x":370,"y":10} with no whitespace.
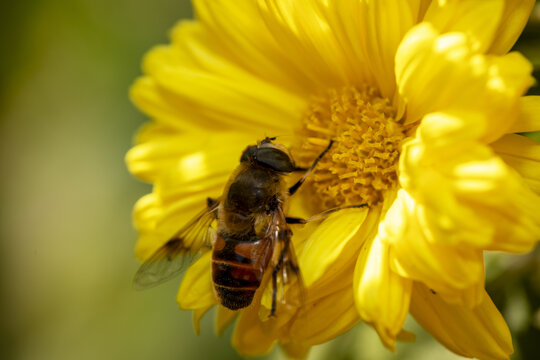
{"x":66,"y":256}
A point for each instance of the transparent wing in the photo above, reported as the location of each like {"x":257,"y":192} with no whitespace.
{"x":170,"y":259}
{"x":285,"y":291}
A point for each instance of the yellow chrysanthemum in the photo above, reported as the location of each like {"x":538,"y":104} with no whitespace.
{"x":423,"y":103}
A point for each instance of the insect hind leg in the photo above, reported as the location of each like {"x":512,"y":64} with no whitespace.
{"x":274,"y":288}
{"x":281,"y":265}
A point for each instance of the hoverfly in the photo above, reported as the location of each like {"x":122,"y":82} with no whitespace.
{"x":252,"y":237}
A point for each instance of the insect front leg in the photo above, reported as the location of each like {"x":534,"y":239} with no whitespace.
{"x":299,"y":183}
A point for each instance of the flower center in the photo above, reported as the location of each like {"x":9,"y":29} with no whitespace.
{"x":362,"y":164}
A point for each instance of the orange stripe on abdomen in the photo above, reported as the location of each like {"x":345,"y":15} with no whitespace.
{"x":237,"y":270}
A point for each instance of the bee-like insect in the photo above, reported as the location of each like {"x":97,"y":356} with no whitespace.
{"x":252,"y":235}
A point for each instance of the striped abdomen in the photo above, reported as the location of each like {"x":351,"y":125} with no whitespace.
{"x":238,"y":268}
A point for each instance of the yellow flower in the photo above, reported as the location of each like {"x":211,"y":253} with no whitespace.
{"x":423,"y":103}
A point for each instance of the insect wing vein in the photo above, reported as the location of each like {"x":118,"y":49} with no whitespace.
{"x":170,"y":259}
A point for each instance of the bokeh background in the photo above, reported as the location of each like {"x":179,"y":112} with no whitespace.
{"x":66,"y":249}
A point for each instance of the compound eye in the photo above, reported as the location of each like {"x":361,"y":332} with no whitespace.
{"x":274,"y":159}
{"x":249,"y":153}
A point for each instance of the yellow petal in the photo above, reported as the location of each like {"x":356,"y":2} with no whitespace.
{"x":472,"y":82}
{"x":145,"y":214}
{"x":339,"y":275}
{"x":157,"y":153}
{"x":245,"y":102}
{"x":248,"y":337}
{"x":327,"y":242}
{"x":382,"y":296}
{"x":152,"y":129}
{"x":224,"y":318}
{"x":464,"y":194}
{"x":413,"y":254}
{"x":202,"y":52}
{"x":498,"y":195}
{"x":515,"y":16}
{"x":332,"y":43}
{"x":480,"y":332}
{"x":241,"y":34}
{"x":331,"y":283}
{"x":326,"y":318}
{"x":367,"y":41}
{"x":207,"y":166}
{"x":162,"y":106}
{"x":478,"y":19}
{"x":295,"y":350}
{"x":452,"y":128}
{"x":196,"y":290}
{"x":529,"y":115}
{"x":495,"y":25}
{"x":522,"y":154}
{"x":509,"y":78}
{"x":197,"y":316}
{"x":406,"y":336}
{"x":186,"y":159}
{"x":289,"y":298}
{"x":307,"y":40}
{"x":157,"y":221}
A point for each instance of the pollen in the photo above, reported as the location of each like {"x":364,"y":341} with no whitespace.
{"x":363,"y":162}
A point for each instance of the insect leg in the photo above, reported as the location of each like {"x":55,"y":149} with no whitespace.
{"x":295,"y":220}
{"x":210,"y":203}
{"x":299,"y":183}
{"x":274,"y":288}
{"x":286,"y":237}
{"x":268,"y":139}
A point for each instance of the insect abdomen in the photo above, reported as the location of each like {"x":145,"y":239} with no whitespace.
{"x":237,"y":270}
{"x":232,"y":288}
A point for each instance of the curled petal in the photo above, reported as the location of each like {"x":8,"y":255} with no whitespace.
{"x":467,"y":195}
{"x":480,"y":332}
{"x":224,"y":318}
{"x":381,"y":296}
{"x":523,"y":155}
{"x":515,"y":16}
{"x":325,"y":246}
{"x":197,"y":316}
{"x":339,"y":274}
{"x":529,"y":115}
{"x":325,"y":318}
{"x":475,"y":83}
{"x":249,"y":337}
{"x":468,"y":17}
{"x":417,"y":255}
{"x":296,"y":350}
